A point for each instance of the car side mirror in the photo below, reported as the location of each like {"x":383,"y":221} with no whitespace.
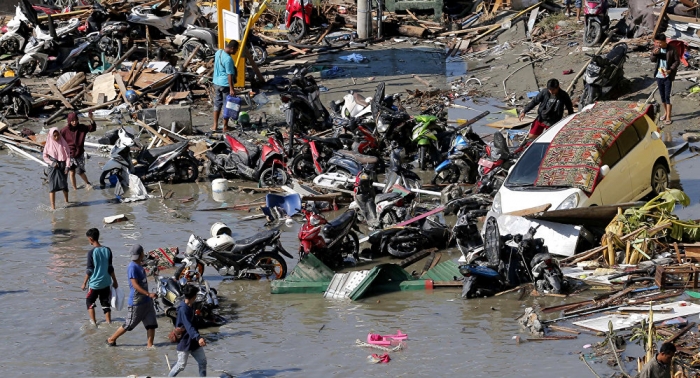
{"x":604,"y":170}
{"x":655,"y":135}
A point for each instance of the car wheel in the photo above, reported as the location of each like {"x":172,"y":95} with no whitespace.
{"x":659,"y":179}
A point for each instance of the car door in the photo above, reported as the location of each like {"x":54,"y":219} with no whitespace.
{"x":615,"y":186}
{"x":642,"y":157}
{"x":633,"y":153}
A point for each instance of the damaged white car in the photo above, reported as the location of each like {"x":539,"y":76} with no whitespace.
{"x":609,"y":153}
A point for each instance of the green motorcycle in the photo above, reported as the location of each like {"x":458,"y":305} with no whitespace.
{"x":424,"y":136}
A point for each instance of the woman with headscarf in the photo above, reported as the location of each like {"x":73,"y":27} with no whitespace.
{"x":56,"y":155}
{"x":74,"y":134}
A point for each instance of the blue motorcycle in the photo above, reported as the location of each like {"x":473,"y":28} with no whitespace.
{"x":461,"y":164}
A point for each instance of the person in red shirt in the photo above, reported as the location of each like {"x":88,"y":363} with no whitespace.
{"x":74,"y":133}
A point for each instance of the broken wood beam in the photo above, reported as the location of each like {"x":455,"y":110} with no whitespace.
{"x":416,"y":257}
{"x":412,"y":31}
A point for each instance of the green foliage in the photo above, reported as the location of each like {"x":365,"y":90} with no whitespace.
{"x":659,"y":210}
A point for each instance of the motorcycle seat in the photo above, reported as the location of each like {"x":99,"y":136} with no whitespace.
{"x":253,"y":241}
{"x":616,"y":55}
{"x":333,"y":142}
{"x":359,"y":99}
{"x":8,"y":80}
{"x":338,"y":224}
{"x":360,"y":158}
{"x":151,"y":154}
{"x":386,"y":197}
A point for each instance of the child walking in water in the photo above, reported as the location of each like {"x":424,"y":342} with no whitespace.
{"x":56,"y":155}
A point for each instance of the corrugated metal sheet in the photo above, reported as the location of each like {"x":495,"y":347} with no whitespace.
{"x":345,"y":283}
{"x":310,"y":275}
{"x":444,"y":271}
{"x":381,"y":279}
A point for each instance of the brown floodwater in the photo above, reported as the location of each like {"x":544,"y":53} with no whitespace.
{"x":46,"y":331}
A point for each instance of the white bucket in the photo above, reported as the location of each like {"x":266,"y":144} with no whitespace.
{"x":219,"y":185}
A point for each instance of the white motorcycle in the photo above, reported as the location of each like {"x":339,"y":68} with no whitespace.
{"x":18,"y":30}
{"x":39,"y":48}
{"x":355,"y":105}
{"x":163,"y":21}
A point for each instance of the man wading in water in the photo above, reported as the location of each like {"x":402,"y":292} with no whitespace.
{"x":140,"y":301}
{"x":552,"y":102}
{"x":99,"y":276}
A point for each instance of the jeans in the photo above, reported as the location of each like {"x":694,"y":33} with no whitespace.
{"x":197,"y":354}
{"x":665,"y":85}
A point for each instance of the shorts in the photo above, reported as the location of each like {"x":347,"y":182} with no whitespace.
{"x":145,"y":313}
{"x":220,"y":94}
{"x":538,"y":127}
{"x":78,"y":164}
{"x":104,"y":294}
{"x":577,"y":3}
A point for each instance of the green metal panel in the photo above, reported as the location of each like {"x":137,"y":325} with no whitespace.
{"x":444,"y":271}
{"x":310,"y":275}
{"x":381,"y":279}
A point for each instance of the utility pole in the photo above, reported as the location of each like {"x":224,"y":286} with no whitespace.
{"x":364,"y":19}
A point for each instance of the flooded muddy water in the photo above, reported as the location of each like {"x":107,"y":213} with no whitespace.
{"x":46,"y":329}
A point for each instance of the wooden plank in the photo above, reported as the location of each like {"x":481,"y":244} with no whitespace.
{"x":428,"y":263}
{"x":530,"y":211}
{"x":661,"y":17}
{"x":680,"y":333}
{"x":122,"y":88}
{"x":58,"y":94}
{"x":154,"y":132}
{"x":416,"y":257}
{"x":511,"y":123}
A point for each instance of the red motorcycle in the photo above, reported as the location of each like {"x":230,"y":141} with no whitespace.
{"x":239,"y":158}
{"x":298,"y":18}
{"x":314,"y":154}
{"x":331,"y":242}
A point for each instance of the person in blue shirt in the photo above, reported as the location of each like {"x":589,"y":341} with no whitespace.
{"x":191,"y":342}
{"x":140,"y":300}
{"x":99,"y":276}
{"x":224,"y":77}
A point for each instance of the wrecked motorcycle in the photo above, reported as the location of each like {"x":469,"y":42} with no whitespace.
{"x":331,"y":242}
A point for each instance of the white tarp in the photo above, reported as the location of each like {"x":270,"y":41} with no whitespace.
{"x":624,"y":321}
{"x":136,"y":191}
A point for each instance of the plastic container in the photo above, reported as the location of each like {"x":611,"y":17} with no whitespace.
{"x":232,"y":107}
{"x":219,"y":185}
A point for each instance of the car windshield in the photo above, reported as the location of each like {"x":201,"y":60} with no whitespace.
{"x":525,"y":171}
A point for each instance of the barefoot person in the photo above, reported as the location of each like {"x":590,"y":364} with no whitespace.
{"x":99,"y":276}
{"x":191,"y":342}
{"x":667,"y":63}
{"x":224,"y":77}
{"x":74,"y":133}
{"x":140,"y":301}
{"x":56,"y":155}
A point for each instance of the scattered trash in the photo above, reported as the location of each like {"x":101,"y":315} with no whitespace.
{"x":115,"y":219}
{"x":567,"y":72}
{"x":357,"y":58}
{"x":375,"y":358}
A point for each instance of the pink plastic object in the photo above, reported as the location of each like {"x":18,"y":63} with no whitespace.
{"x":377,"y":339}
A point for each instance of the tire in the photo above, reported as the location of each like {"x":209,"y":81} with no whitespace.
{"x":259,"y":54}
{"x":27,"y":69}
{"x":297,"y":29}
{"x":104,"y":176}
{"x":189,"y":47}
{"x":10,"y":46}
{"x":447,"y":176}
{"x":350,"y":246}
{"x":422,"y":156}
{"x":269,"y":258}
{"x":659,"y":179}
{"x":186,"y":170}
{"x":273,"y":177}
{"x":594,"y":34}
{"x":180,"y":272}
{"x":303,"y":167}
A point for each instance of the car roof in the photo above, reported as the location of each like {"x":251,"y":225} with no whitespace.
{"x":548,"y":135}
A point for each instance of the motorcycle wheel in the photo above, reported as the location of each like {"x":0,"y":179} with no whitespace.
{"x":405,"y":248}
{"x":259,"y":54}
{"x":171,"y":313}
{"x":297,"y":29}
{"x":27,"y":69}
{"x":104,"y":177}
{"x":422,"y":157}
{"x":187,"y":170}
{"x":593,"y":35}
{"x":277,"y":263}
{"x":350,"y":246}
{"x":448,"y":176}
{"x":189,"y":47}
{"x":10,"y":46}
{"x":303,"y":167}
{"x":182,"y":271}
{"x":273,"y":177}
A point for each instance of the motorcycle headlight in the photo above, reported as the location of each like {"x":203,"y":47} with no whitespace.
{"x":496,"y":205}
{"x":569,"y":202}
{"x":314,"y":221}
